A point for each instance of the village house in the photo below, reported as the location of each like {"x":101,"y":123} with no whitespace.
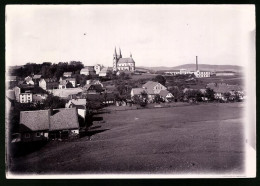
{"x":34,"y":125}
{"x":67,"y":83}
{"x":221,"y":89}
{"x":97,"y":68}
{"x":48,"y":84}
{"x":80,"y":105}
{"x":93,"y":82}
{"x":39,"y":97}
{"x":23,"y":93}
{"x":42,"y":125}
{"x":103,"y":72}
{"x":88,"y":70}
{"x":93,"y":88}
{"x":64,"y":123}
{"x":36,"y":79}
{"x":67,"y":74}
{"x":151,"y":88}
{"x":29,"y":80}
{"x":166,"y":95}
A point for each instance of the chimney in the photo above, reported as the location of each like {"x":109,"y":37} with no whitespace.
{"x":197,"y":67}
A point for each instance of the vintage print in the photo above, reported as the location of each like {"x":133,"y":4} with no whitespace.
{"x":130,"y":91}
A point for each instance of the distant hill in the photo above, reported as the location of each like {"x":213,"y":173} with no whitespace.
{"x":192,"y":67}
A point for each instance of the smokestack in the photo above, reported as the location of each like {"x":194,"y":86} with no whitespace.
{"x":197,"y":67}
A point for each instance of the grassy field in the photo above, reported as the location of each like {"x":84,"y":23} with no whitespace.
{"x":204,"y":138}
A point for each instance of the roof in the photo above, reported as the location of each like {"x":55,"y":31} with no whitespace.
{"x":28,"y":78}
{"x":65,"y":92}
{"x":138,"y":91}
{"x":10,"y":94}
{"x":79,"y":101}
{"x":65,"y":118}
{"x":164,"y":93}
{"x":96,"y":87}
{"x":150,"y":84}
{"x":126,"y":60}
{"x":87,"y":69}
{"x":104,"y":70}
{"x":37,"y":76}
{"x":34,"y":120}
{"x":48,"y":80}
{"x":223,"y":87}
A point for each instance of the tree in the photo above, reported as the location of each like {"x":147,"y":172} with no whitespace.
{"x":157,"y":98}
{"x":160,"y":79}
{"x":53,"y":102}
{"x":69,"y":85}
{"x":210,"y":94}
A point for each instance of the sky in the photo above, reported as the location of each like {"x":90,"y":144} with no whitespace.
{"x":156,"y":35}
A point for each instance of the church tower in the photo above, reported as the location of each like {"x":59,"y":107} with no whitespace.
{"x":115,"y":61}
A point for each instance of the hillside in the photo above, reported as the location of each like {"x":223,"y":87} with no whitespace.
{"x":191,"y":67}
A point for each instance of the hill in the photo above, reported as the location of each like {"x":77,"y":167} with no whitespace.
{"x":192,"y":67}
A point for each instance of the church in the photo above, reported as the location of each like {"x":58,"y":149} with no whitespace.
{"x":120,"y":63}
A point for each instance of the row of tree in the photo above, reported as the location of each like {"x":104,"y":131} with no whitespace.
{"x":48,"y":69}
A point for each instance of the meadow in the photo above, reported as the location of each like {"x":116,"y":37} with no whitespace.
{"x":206,"y":138}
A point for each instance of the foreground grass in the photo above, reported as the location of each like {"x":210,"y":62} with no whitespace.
{"x":200,"y":138}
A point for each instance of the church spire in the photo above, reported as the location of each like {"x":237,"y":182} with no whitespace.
{"x":130,"y":54}
{"x":120,"y":55}
{"x":115,"y":54}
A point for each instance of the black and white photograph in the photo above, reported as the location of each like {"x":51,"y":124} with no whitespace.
{"x":130,"y":91}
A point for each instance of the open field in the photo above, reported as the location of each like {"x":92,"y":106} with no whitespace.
{"x":198,"y":138}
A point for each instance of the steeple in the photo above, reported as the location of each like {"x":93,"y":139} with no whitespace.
{"x":115,"y":54}
{"x":130,"y":54}
{"x":120,"y":55}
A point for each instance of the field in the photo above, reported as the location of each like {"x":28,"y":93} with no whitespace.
{"x":205,"y":138}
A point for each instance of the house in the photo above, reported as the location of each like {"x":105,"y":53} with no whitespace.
{"x":48,"y":84}
{"x":29,"y":80}
{"x":103,"y":72}
{"x":166,"y":95}
{"x":25,"y":97}
{"x":67,"y":74}
{"x":67,"y":83}
{"x":153,"y":87}
{"x":23,"y":93}
{"x":224,"y":73}
{"x":80,"y":105}
{"x":34,"y":125}
{"x":36,"y":79}
{"x":65,"y":93}
{"x":64,"y":123}
{"x":88,"y":70}
{"x":93,"y":82}
{"x":173,"y":72}
{"x":97,"y":68}
{"x":221,"y":88}
{"x":92,"y":88}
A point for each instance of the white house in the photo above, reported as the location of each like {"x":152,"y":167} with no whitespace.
{"x":25,"y":97}
{"x":67,"y":74}
{"x":97,"y":68}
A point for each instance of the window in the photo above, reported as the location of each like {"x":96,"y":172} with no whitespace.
{"x":27,"y":135}
{"x":38,"y":134}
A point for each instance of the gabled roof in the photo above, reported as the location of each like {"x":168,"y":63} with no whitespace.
{"x":64,"y":119}
{"x":10,"y":94}
{"x":34,"y":120}
{"x":150,"y":84}
{"x":104,"y":70}
{"x":79,"y":101}
{"x":223,"y":87}
{"x":37,"y":76}
{"x":87,"y":69}
{"x":96,"y":87}
{"x":126,"y":60}
{"x":164,"y":93}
